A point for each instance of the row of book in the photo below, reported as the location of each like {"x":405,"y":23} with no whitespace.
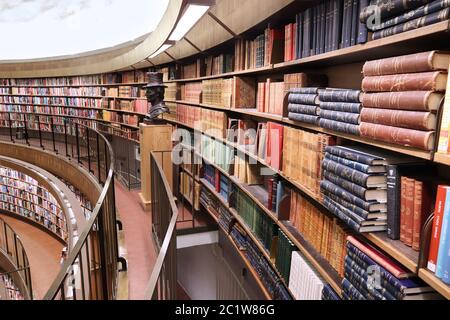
{"x":371,"y":275}
{"x":203,"y":67}
{"x":205,"y":120}
{"x":109,"y":116}
{"x":395,"y":17}
{"x":325,"y":235}
{"x":401,"y":97}
{"x":75,"y":102}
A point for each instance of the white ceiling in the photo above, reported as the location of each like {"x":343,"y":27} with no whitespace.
{"x":48,"y":28}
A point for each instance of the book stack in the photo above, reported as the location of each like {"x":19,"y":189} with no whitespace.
{"x":188,"y":115}
{"x":328,"y":294}
{"x":192,"y":92}
{"x":259,"y":222}
{"x":438,"y":255}
{"x":303,"y":153}
{"x":402,"y":96}
{"x":218,"y":92}
{"x":324,"y":234}
{"x":371,"y":275}
{"x":355,"y":187}
{"x":416,"y":205}
{"x":270,"y":97}
{"x":340,"y":110}
{"x":328,"y":26}
{"x":226,"y":220}
{"x":304,"y":105}
{"x":173,"y":91}
{"x":400,"y":16}
{"x":304,"y":283}
{"x":265,"y":49}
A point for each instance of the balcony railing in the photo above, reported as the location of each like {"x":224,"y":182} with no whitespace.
{"x":12,"y":248}
{"x":89,"y":272}
{"x":163,"y":280}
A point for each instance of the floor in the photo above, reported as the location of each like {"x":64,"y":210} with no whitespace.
{"x":141,"y":254}
{"x":44,"y":254}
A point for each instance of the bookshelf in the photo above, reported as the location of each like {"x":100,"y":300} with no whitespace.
{"x":23,"y":196}
{"x":421,"y":39}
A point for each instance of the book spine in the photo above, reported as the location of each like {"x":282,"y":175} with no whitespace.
{"x":409,"y":211}
{"x":341,"y":215}
{"x":345,"y":184}
{"x":429,"y":19}
{"x":406,"y":100}
{"x":344,"y":194}
{"x":352,"y":118}
{"x":357,"y":210}
{"x":413,"y":14}
{"x":403,"y":209}
{"x":437,"y":227}
{"x":392,"y":8}
{"x":405,"y":119}
{"x":444,"y":243}
{"x":346,"y":172}
{"x":348,"y":24}
{"x":417,"y":214}
{"x":302,"y":98}
{"x":361,"y":284}
{"x":362,"y":27}
{"x":303,"y":118}
{"x":351,"y":291}
{"x":348,"y":154}
{"x":408,"y":137}
{"x":393,"y":202}
{"x":305,"y":91}
{"x":339,"y":126}
{"x":341,"y":106}
{"x":425,"y":81}
{"x":299,"y":36}
{"x":349,"y":163}
{"x":302,"y":108}
{"x":344,"y":95}
{"x":337,"y":23}
{"x":354,"y":22}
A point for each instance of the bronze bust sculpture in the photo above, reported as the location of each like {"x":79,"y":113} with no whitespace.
{"x":155,"y":95}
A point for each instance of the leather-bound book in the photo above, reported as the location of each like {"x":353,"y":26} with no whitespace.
{"x":399,"y":118}
{"x":424,"y":81}
{"x":423,"y":140}
{"x":416,"y":62}
{"x":409,"y":211}
{"x":403,"y":100}
{"x":391,"y":8}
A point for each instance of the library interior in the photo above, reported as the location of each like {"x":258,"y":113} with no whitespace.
{"x":225,"y":150}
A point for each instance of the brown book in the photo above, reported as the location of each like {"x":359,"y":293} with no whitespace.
{"x":409,"y":211}
{"x":244,"y":92}
{"x":417,"y":214}
{"x":416,"y":62}
{"x":423,"y":140}
{"x":399,"y":118}
{"x":403,"y":100}
{"x":425,"y":81}
{"x":403,"y":210}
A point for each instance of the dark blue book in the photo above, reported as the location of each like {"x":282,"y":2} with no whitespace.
{"x":339,"y":126}
{"x":341,"y":106}
{"x":362,"y":27}
{"x":362,"y":155}
{"x":329,"y":294}
{"x":353,"y":118}
{"x":368,"y":169}
{"x":371,"y":206}
{"x":300,"y":98}
{"x":303,"y":118}
{"x":306,"y":90}
{"x":340,"y":95}
{"x":351,"y":291}
{"x":303,"y":109}
{"x":355,"y":22}
{"x":365,"y":180}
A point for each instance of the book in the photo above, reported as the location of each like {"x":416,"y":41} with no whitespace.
{"x":407,"y":219}
{"x":423,"y":140}
{"x":441,"y":200}
{"x":340,"y":95}
{"x":425,"y":121}
{"x":425,"y":81}
{"x":411,"y":63}
{"x":303,"y":109}
{"x":442,"y":267}
{"x":443,"y":144}
{"x":403,"y":100}
{"x":426,"y":20}
{"x":339,"y":126}
{"x":362,"y":27}
{"x":346,"y":117}
{"x":356,"y":165}
{"x":391,"y":8}
{"x":341,"y":106}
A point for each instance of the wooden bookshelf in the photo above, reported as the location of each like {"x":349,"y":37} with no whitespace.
{"x":130,"y":84}
{"x":442,"y":158}
{"x":435,"y":283}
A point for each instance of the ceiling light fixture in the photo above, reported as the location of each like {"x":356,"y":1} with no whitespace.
{"x":163,"y":48}
{"x":191,"y":15}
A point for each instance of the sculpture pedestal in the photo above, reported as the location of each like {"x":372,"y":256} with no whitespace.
{"x":154,"y":138}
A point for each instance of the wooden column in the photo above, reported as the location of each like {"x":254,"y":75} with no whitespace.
{"x":154,"y":138}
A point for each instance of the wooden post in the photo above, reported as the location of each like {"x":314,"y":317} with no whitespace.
{"x":154,"y":138}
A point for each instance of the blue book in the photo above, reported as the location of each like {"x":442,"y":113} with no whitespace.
{"x":443,"y":263}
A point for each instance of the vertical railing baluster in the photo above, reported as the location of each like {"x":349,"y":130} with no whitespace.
{"x":77,"y":136}
{"x":65,"y":139}
{"x":53,"y":135}
{"x":88,"y":150}
{"x":40,"y":131}
{"x":10,"y":128}
{"x":26,"y":130}
{"x":99,"y":172}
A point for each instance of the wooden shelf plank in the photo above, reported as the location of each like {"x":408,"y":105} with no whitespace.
{"x":435,"y":282}
{"x":442,"y":158}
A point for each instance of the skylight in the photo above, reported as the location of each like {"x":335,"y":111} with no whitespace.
{"x":48,"y":28}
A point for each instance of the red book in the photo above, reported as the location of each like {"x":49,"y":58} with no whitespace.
{"x":287,"y":45}
{"x":383,"y":260}
{"x":437,"y":225}
{"x":274,"y":144}
{"x":409,"y":212}
{"x":403,"y":210}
